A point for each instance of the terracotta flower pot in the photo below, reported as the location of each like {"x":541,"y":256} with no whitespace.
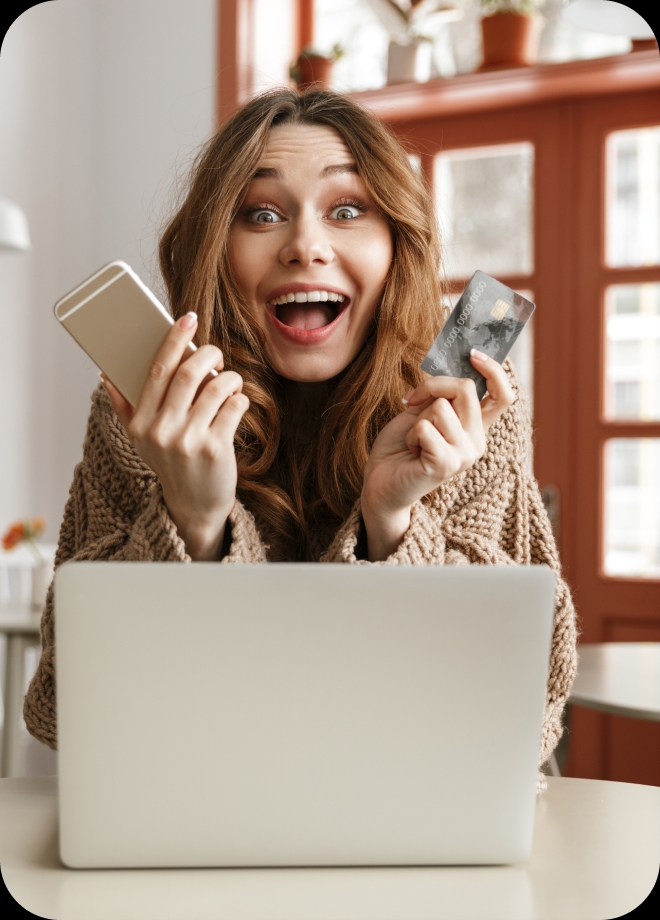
{"x":314,"y":69}
{"x":644,"y":44}
{"x":510,"y":39}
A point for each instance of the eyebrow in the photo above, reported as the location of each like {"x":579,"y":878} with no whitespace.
{"x":269,"y":172}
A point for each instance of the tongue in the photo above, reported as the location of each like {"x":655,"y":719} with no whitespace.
{"x":306,"y":315}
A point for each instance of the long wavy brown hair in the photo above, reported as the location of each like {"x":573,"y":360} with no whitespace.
{"x":301,"y":463}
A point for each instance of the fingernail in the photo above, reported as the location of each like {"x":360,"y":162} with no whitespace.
{"x":102,"y":377}
{"x":407,"y":397}
{"x":188,"y":321}
{"x":478,"y":354}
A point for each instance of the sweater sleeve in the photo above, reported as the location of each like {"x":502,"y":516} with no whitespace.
{"x":563,"y":654}
{"x":115,"y":512}
{"x":431,"y":538}
{"x":422,"y":544}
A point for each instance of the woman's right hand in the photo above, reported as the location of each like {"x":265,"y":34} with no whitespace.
{"x":187,"y":437}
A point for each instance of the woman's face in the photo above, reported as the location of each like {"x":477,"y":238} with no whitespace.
{"x":310,"y":252}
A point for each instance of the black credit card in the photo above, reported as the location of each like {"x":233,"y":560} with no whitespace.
{"x":489,"y":316}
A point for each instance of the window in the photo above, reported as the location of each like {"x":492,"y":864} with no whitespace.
{"x":632,"y":507}
{"x":274,"y":42}
{"x":633,"y":197}
{"x":485,"y":204}
{"x":354,"y":26}
{"x":631,"y":385}
{"x":632,"y":352}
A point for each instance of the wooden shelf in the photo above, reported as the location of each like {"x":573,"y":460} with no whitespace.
{"x":514,"y":87}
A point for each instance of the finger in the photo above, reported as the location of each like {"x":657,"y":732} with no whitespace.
{"x":431,"y":388}
{"x":227,"y":420}
{"x":123,"y":409}
{"x":211,"y":399}
{"x":164,"y":366}
{"x":425,"y":440}
{"x":443,"y":417}
{"x":188,"y":379}
{"x":464,"y":447}
{"x":500,"y":392}
{"x":460,"y":391}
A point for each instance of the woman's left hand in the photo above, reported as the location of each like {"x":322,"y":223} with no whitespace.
{"x":441,"y":433}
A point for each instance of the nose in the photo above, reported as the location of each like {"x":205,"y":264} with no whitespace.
{"x":307,"y":242}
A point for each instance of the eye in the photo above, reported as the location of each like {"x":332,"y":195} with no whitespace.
{"x":264,"y":216}
{"x":345,"y":212}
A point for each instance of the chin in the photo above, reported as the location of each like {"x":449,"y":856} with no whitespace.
{"x":309,"y":371}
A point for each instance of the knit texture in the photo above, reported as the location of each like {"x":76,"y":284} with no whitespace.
{"x":490,"y":514}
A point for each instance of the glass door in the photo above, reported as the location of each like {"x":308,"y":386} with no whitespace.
{"x":561,"y":200}
{"x":617,"y":412}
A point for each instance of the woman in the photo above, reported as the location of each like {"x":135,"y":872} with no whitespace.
{"x":304,"y":261}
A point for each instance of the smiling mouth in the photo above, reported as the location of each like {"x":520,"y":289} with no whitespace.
{"x":308,"y":310}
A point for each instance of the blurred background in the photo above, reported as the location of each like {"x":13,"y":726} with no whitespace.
{"x":539,"y":134}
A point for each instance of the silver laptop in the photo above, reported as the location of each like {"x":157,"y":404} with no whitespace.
{"x":299,"y":714}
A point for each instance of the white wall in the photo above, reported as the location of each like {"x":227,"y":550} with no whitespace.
{"x":99,"y":100}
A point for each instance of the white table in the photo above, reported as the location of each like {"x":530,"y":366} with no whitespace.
{"x":596,"y":854}
{"x":622,"y":678}
{"x":20,"y":624}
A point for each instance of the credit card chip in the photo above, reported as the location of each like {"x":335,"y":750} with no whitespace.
{"x":500,"y":309}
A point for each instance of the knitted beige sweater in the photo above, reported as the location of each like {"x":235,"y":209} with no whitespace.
{"x":489,"y":514}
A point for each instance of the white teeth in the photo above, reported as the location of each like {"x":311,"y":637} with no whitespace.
{"x":308,"y":297}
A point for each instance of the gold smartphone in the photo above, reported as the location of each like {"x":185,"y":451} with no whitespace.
{"x":121,"y":325}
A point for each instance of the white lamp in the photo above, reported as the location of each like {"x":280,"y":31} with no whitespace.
{"x":607,"y":16}
{"x":14,"y":234}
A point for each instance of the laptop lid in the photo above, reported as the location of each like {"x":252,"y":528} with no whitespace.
{"x":299,"y":714}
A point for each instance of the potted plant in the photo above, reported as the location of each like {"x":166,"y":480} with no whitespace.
{"x":412,"y":26}
{"x":27,"y":531}
{"x":510,"y":30}
{"x":313,"y":66}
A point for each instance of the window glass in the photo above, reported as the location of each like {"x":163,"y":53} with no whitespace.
{"x":484,"y":197}
{"x":273,"y":24}
{"x":632,"y":352}
{"x":633,"y":197}
{"x":354,"y":26}
{"x":416,"y":162}
{"x":632,"y":507}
